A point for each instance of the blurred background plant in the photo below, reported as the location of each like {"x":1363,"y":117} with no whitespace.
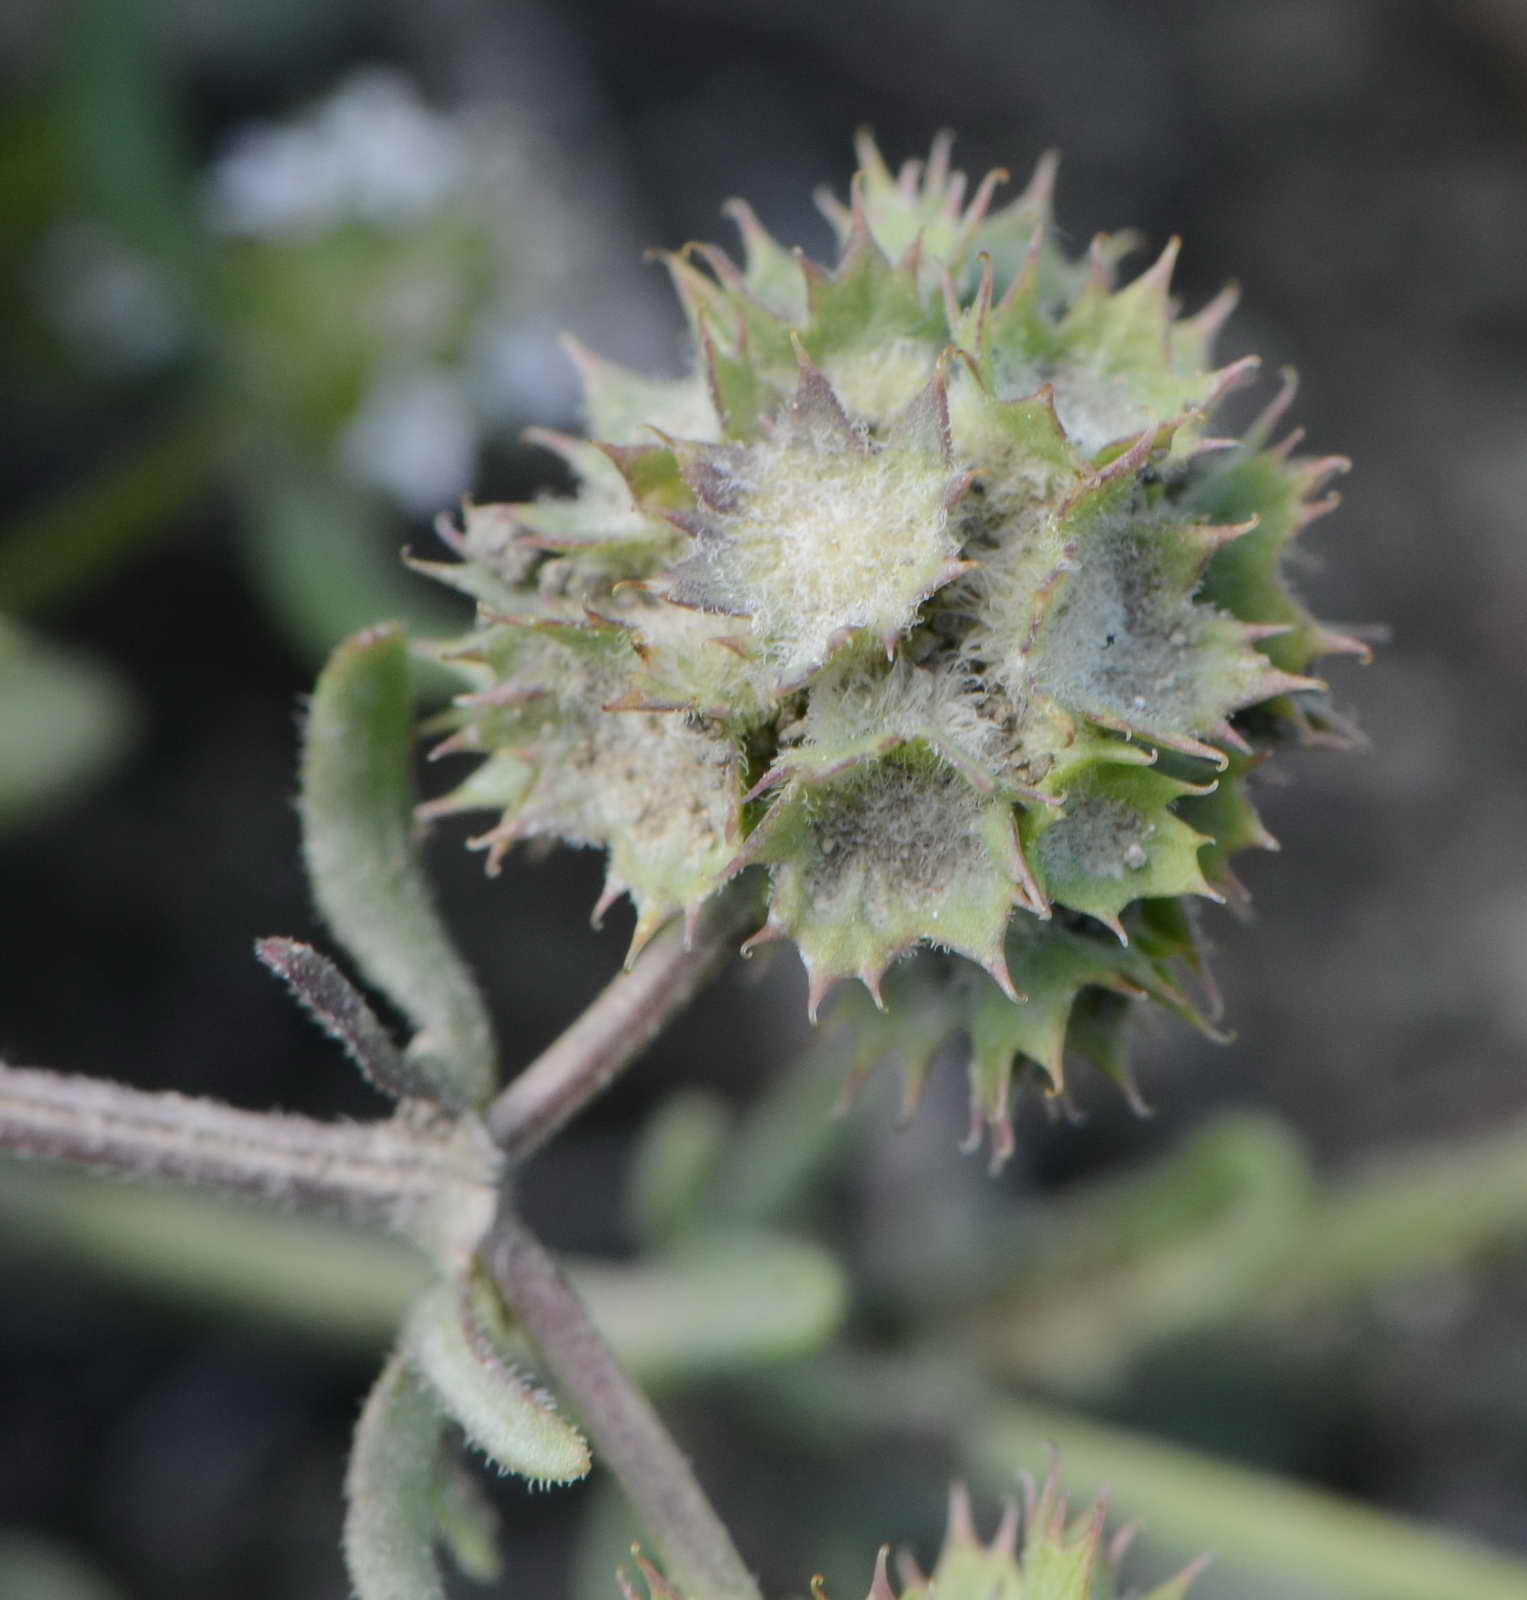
{"x":282,"y":281}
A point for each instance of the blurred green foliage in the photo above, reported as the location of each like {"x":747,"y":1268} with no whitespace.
{"x":320,"y":328}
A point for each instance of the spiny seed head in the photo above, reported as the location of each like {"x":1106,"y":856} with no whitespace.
{"x":1058,"y":1557}
{"x":930,"y":591}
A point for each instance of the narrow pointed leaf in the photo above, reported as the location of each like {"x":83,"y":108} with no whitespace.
{"x":339,"y":1008}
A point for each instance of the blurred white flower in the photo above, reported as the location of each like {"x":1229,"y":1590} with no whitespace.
{"x":518,"y":368}
{"x":370,"y":152}
{"x":415,"y":437}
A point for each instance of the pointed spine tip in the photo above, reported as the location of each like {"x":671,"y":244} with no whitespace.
{"x":770,"y":933}
{"x":996,"y":967}
{"x":1119,"y":1545}
{"x":1215,"y":535}
{"x":1207,"y":323}
{"x":960,"y":1527}
{"x":1272,"y":414}
{"x":910,"y":264}
{"x":1317,"y":471}
{"x":818,"y":987}
{"x":1313,"y":510}
{"x":871,"y":979}
{"x":1131,"y":461}
{"x":867,"y":153}
{"x":1003,"y":1144}
{"x":607,"y":898}
{"x":940,"y":149}
{"x":1039,"y":192}
{"x":985,"y":193}
{"x":1328,"y":641}
{"x":914,"y":1084}
{"x":912,"y":1576}
{"x":1005,"y":1540}
{"x":449,"y":534}
{"x":1228,"y":379}
{"x":1158,"y":276}
{"x":1191,"y":1573}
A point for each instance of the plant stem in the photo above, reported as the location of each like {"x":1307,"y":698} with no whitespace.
{"x":695,"y":1547}
{"x":629,"y":1013}
{"x":628,"y":1434}
{"x":369,"y":1172}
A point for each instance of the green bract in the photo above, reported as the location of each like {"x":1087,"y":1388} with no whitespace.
{"x":930,"y":591}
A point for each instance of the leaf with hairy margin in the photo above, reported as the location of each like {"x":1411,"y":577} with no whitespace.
{"x":451,"y":1339}
{"x":364,"y":865}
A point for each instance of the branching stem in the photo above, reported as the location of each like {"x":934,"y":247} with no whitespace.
{"x":697,"y":1551}
{"x":629,"y":1013}
{"x":386,"y":1171}
{"x":369,"y":1172}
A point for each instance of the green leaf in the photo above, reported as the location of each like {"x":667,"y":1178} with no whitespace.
{"x":736,"y":1300}
{"x":729,"y":1301}
{"x":366,"y":872}
{"x":390,"y":1489}
{"x":317,"y":1279}
{"x":452,"y":1341}
{"x":1130,"y":1264}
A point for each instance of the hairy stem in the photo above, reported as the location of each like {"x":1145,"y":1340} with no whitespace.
{"x":369,"y":1172}
{"x":615,"y":1029}
{"x":629,"y":1437}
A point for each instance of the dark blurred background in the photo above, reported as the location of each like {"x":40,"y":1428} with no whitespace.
{"x":281,"y":279}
